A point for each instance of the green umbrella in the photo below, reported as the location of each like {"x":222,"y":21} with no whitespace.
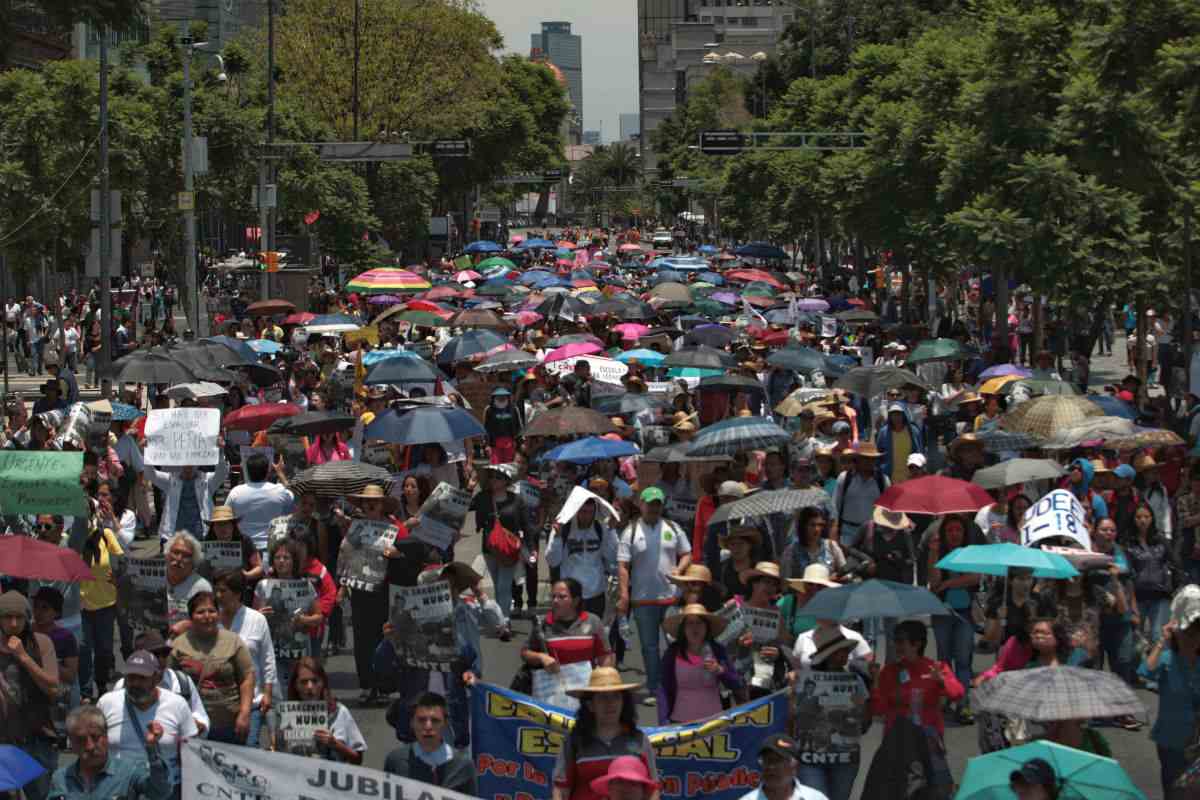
{"x":709,"y":308}
{"x":498,"y":290}
{"x":1082,"y":776}
{"x":759,"y":289}
{"x":936,"y":350}
{"x":494,"y":261}
{"x":425,"y":319}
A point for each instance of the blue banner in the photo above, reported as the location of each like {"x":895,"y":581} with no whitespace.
{"x":515,"y":740}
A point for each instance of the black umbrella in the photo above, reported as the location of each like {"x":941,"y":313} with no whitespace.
{"x":626,"y":403}
{"x":626,"y":307}
{"x":403,"y":370}
{"x":313,"y":423}
{"x":710,"y":336}
{"x":876,"y":380}
{"x":573,"y":338}
{"x":700,"y":357}
{"x":201,"y":361}
{"x":733,"y":382}
{"x":472,"y":343}
{"x":507,"y":360}
{"x":763,"y":504}
{"x":800,"y":359}
{"x":677,"y":454}
{"x":562,"y":306}
{"x":263,"y":375}
{"x":146,"y":367}
{"x":339,"y":478}
{"x":857,"y":315}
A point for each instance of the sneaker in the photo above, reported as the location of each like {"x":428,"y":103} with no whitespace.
{"x":505,"y":634}
{"x":650,"y":701}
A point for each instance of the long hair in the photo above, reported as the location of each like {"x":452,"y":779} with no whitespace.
{"x":423,"y":490}
{"x":314,"y":666}
{"x":1153,"y":534}
{"x":238,"y":536}
{"x":1062,"y":640}
{"x":585,"y":722}
{"x":806,"y":516}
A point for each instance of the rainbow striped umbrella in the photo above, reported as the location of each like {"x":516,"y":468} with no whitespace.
{"x":384,"y":280}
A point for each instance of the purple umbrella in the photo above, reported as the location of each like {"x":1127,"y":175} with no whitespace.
{"x":812,"y":304}
{"x":385,"y":300}
{"x":1000,"y":370}
{"x":728,"y":298}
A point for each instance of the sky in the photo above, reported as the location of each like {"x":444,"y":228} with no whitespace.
{"x":609,"y":31}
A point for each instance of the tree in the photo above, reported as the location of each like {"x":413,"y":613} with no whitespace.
{"x":62,"y":14}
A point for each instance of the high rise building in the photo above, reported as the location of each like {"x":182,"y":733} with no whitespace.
{"x":591,"y":137}
{"x":556,"y":44}
{"x":631,"y":126}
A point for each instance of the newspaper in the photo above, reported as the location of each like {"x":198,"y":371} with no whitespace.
{"x":361,"y":563}
{"x":298,"y":722}
{"x":552,"y":687}
{"x":442,"y":516}
{"x":286,"y":598}
{"x":221,"y":556}
{"x":284,"y":527}
{"x":735,"y":625}
{"x":422,"y":619}
{"x":143,"y":594}
{"x":763,"y":624}
{"x":828,"y":709}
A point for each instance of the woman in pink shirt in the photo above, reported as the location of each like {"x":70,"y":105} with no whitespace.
{"x":695,"y":667}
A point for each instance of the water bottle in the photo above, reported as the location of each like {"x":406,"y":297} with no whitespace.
{"x":625,"y":630}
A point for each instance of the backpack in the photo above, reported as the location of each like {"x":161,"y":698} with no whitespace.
{"x":842,"y":502}
{"x":185,"y":685}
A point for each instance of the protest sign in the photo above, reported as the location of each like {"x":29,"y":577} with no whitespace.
{"x":217,"y":770}
{"x":660,"y":387}
{"x":1058,"y":513}
{"x":221,"y":556}
{"x":297,"y":723}
{"x":763,"y":623}
{"x":552,"y":687}
{"x":515,"y":740}
{"x":245,"y":451}
{"x":41,"y":482}
{"x":142,"y":592}
{"x":361,"y":563}
{"x":281,"y":600}
{"x":285,"y":527}
{"x":179,"y":437}
{"x":377,"y":453}
{"x":828,"y":709}
{"x":422,"y":619}
{"x":735,"y":624}
{"x":605,"y":370}
{"x":442,"y":516}
{"x":681,"y":510}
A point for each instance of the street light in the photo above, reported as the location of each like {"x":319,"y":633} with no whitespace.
{"x":762,"y":58}
{"x":188,"y":199}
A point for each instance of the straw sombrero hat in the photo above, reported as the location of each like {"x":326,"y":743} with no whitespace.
{"x":673,"y":623}
{"x":814,"y":574}
{"x":372,"y":491}
{"x":763,"y":569}
{"x":695,"y":573}
{"x":967,"y":439}
{"x":603,"y":679}
{"x":1144,"y":462}
{"x":864,"y":449}
{"x":891,"y":519}
{"x":223,"y":514}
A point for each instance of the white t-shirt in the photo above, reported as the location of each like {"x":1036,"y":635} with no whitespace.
{"x":173,"y":680}
{"x":806,"y":646}
{"x":127,"y":737}
{"x":252,"y":626}
{"x":800,"y":792}
{"x":255,"y":505}
{"x":652,"y":553}
{"x":346,"y":731}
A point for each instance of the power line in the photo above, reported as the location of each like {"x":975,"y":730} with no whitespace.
{"x":8,"y":237}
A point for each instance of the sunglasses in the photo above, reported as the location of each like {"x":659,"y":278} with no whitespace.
{"x":44,"y":526}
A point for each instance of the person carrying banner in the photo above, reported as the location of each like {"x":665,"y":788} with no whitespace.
{"x":626,"y":779}
{"x":779,"y":756}
{"x":429,"y":758}
{"x":605,"y":729}
{"x":187,"y":495}
{"x":96,"y":773}
{"x":342,"y":741}
{"x":568,"y":634}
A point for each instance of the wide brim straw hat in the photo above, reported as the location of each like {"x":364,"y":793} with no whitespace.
{"x":763,"y":569}
{"x":695,"y":573}
{"x":603,"y":679}
{"x":673,"y":623}
{"x":372,"y":491}
{"x":814,"y":575}
{"x":223,"y":514}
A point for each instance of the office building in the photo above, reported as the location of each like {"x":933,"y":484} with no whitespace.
{"x":591,"y":137}
{"x":556,"y":44}
{"x":631,"y":126}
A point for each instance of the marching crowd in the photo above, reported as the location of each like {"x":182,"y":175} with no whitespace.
{"x":687,"y":465}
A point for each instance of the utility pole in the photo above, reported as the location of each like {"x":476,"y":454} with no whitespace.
{"x":354,"y":100}
{"x":104,"y":371}
{"x":1187,"y":294}
{"x":189,"y":186}
{"x":266,"y":238}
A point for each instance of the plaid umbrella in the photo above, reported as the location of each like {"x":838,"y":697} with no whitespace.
{"x":676,"y":454}
{"x":1102,"y":427}
{"x":1045,"y":416}
{"x":1057,"y":693}
{"x":763,"y":504}
{"x":340,"y":478}
{"x":570,"y":421}
{"x":874,"y":381}
{"x":506,"y":361}
{"x":737,"y":435}
{"x":998,"y":441}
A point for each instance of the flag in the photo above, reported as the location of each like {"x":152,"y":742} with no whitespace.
{"x":752,"y":316}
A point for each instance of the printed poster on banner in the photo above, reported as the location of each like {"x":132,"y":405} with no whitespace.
{"x":361,"y":563}
{"x":605,"y":370}
{"x":180,"y":437}
{"x":298,"y":722}
{"x":285,"y":527}
{"x":530,"y":495}
{"x":214,"y":770}
{"x":763,"y":623}
{"x":1058,"y":513}
{"x":828,"y":710}
{"x":281,"y":600}
{"x":552,"y":687}
{"x":142,"y":592}
{"x":221,"y":556}
{"x":735,"y":624}
{"x":516,"y":739}
{"x":422,"y":619}
{"x":442,"y":516}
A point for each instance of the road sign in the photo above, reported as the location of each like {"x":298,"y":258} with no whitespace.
{"x":720,"y":143}
{"x":450,"y":148}
{"x":187,"y":201}
{"x":364,"y":151}
{"x":555,"y":174}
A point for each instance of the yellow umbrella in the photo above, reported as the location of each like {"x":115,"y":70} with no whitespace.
{"x":994,"y":385}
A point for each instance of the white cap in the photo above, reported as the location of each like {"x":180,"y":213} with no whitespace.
{"x":917,"y":460}
{"x":731,"y":489}
{"x":896,"y":407}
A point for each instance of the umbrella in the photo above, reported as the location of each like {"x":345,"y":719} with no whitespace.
{"x":506,"y":361}
{"x":732,"y":382}
{"x":812,"y":304}
{"x":1036,"y":387}
{"x":758,"y":289}
{"x":496,"y":261}
{"x":194,"y":391}
{"x":573,"y":338}
{"x":339,"y":478}
{"x":475,"y":318}
{"x":383,"y":280}
{"x":1047,"y":694}
{"x":332,"y":323}
{"x":873,"y":599}
{"x":1113,"y":406}
{"x":995,"y":385}
{"x":24,"y":557}
{"x":620,"y":402}
{"x":702,"y":357}
{"x":998,"y":559}
{"x":536,"y":243}
{"x":676,"y":454}
{"x":1046,"y":416}
{"x":710,"y":335}
{"x":17,"y":768}
{"x":1016,"y":471}
{"x":1081,"y":775}
{"x":313,"y":423}
{"x":145,"y":367}
{"x":627,"y":307}
{"x":874,"y":381}
{"x":755,"y":276}
{"x":483,"y":246}
{"x":800,"y":359}
{"x":1117,"y":433}
{"x":269,"y":308}
{"x":934,"y":494}
{"x":795,"y":403}
{"x":652,"y":358}
{"x":631,"y":330}
{"x":936,"y":350}
{"x":765,"y":503}
{"x":422,"y":319}
{"x":569,"y":421}
{"x":424,"y":426}
{"x":593,"y":448}
{"x":998,"y":441}
{"x":672,"y":292}
{"x":123,"y":412}
{"x":737,"y":435}
{"x":303,"y":318}
{"x":403,"y":370}
{"x":1005,"y":369}
{"x":573,"y":350}
{"x":462,"y":276}
{"x":258,"y":417}
{"x":264,"y":346}
{"x":760,"y":250}
{"x":263,"y":375}
{"x":474,"y":342}
{"x":857,"y":316}
{"x":562,"y":306}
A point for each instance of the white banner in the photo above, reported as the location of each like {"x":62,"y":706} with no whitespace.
{"x":552,"y":687}
{"x":1058,"y":513}
{"x":212,"y":770}
{"x":608,"y":370}
{"x":181,"y":437}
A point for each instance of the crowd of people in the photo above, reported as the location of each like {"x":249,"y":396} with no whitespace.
{"x":627,"y":412}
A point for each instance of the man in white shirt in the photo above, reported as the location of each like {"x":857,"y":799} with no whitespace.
{"x":585,"y":549}
{"x":651,"y":548}
{"x":129,"y":710}
{"x":806,"y":644}
{"x":257,"y":501}
{"x":779,"y":756}
{"x":175,"y":681}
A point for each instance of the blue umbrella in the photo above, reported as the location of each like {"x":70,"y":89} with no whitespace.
{"x":17,"y":768}
{"x":264,"y":346}
{"x":424,"y":426}
{"x":593,"y":448}
{"x":709,"y":249}
{"x":874,"y":599}
{"x":996,"y":559}
{"x":534,"y":244}
{"x":238,"y":346}
{"x":582,"y":275}
{"x":483,"y":246}
{"x":760,"y":250}
{"x":665,"y":276}
{"x":331,"y":319}
{"x":650,"y":357}
{"x":1113,"y":406}
{"x":123,"y":412}
{"x":375,"y":356}
{"x":711,"y":277}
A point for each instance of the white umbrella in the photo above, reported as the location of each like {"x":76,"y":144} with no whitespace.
{"x":195,"y":391}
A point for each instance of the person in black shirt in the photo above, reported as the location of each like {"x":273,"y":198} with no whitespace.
{"x":503,"y":426}
{"x":493,"y":502}
{"x":577,"y":387}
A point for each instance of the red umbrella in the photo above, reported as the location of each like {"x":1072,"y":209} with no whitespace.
{"x":445,"y":292}
{"x":258,"y":417}
{"x":751,"y":275}
{"x":303,"y":318}
{"x":432,"y":308}
{"x":23,"y":557}
{"x":857,"y":301}
{"x":935,"y":494}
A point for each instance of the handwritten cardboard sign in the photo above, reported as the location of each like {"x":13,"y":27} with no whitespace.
{"x":179,"y":437}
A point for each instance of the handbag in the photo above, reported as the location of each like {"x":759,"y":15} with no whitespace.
{"x":504,"y":544}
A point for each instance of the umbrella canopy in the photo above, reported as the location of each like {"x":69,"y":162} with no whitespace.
{"x":506,"y":361}
{"x":765,"y":503}
{"x":998,"y":559}
{"x":258,"y":417}
{"x":562,"y":306}
{"x":123,"y":412}
{"x":702,"y":357}
{"x":333,"y":323}
{"x":17,"y":768}
{"x":474,"y":342}
{"x":709,"y":335}
{"x":424,"y":426}
{"x":1081,"y":775}
{"x":25,"y":557}
{"x":1113,"y":406}
{"x":145,"y":367}
{"x":476,"y":318}
{"x":402,"y":370}
{"x":313,"y":423}
{"x":651,"y":358}
{"x":383,"y":280}
{"x":755,"y":276}
{"x":875,"y":599}
{"x":1016,"y":471}
{"x":590,"y":449}
{"x":672,"y":292}
{"x":760,"y":250}
{"x":496,"y":261}
{"x":303,"y":318}
{"x":569,"y":421}
{"x":264,"y":346}
{"x":269,"y":308}
{"x":998,"y":441}
{"x":195,"y":390}
{"x":676,"y":454}
{"x":936,"y":350}
{"x":627,"y":307}
{"x":800,"y":359}
{"x":631,"y":331}
{"x":1116,"y":432}
{"x":997,"y":384}
{"x":1057,"y":693}
{"x":573,"y":338}
{"x":339,"y":478}
{"x":483,"y":246}
{"x":1037,"y":387}
{"x":737,"y":435}
{"x":422,"y":319}
{"x":857,"y":316}
{"x":733,"y":382}
{"x":876,"y":380}
{"x":934,"y":494}
{"x":1000,"y":370}
{"x":263,"y":375}
{"x":1046,"y":416}
{"x":619,"y":401}
{"x":573,"y":350}
{"x":812,"y":304}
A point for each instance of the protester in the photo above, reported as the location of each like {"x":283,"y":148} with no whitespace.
{"x":99,"y":773}
{"x":429,"y":758}
{"x":28,"y":682}
{"x":172,"y":680}
{"x":586,"y":551}
{"x":258,"y":501}
{"x":695,"y":667}
{"x":224,"y":526}
{"x":812,"y":546}
{"x":779,"y":756}
{"x":184,"y":582}
{"x":342,"y":740}
{"x":1035,"y":780}
{"x":98,"y":599}
{"x":498,"y":512}
{"x":255,"y":633}
{"x":1171,"y":665}
{"x":187,"y":495}
{"x":954,"y":633}
{"x":627,"y":779}
{"x":568,"y":634}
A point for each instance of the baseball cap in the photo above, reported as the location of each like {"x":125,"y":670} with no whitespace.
{"x":652,"y":494}
{"x":917,"y":460}
{"x":731,"y":489}
{"x":781,"y":745}
{"x":896,"y":407}
{"x":1035,"y":772}
{"x":141,"y":663}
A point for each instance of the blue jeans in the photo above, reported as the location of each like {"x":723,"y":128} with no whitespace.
{"x":228,"y":733}
{"x":502,"y":578}
{"x":1171,"y":764}
{"x":96,"y":649}
{"x":955,"y":637}
{"x":1116,"y":645}
{"x":649,"y":621}
{"x":835,"y":781}
{"x":1156,"y":612}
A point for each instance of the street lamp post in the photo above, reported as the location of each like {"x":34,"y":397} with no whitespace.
{"x":189,"y":181}
{"x":762,"y":58}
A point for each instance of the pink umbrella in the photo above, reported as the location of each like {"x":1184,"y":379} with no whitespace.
{"x":631,"y":331}
{"x":526,"y":318}
{"x":467,"y":275}
{"x":572,"y":350}
{"x":563,"y":262}
{"x":516,"y":238}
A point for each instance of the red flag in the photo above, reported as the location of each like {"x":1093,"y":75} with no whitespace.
{"x":312,"y":217}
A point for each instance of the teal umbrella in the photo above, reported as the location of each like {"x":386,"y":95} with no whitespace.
{"x":1082,"y":776}
{"x":997,"y":559}
{"x":937,"y":350}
